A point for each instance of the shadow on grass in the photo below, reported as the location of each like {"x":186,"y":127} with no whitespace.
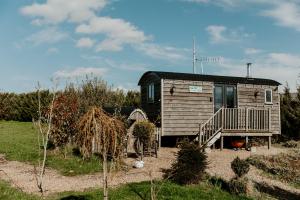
{"x":77,"y":197}
{"x":276,"y":191}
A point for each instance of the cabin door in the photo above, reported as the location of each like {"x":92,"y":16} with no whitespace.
{"x":224,"y":96}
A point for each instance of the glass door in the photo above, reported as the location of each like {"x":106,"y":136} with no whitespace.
{"x":224,"y":95}
{"x":218,"y":97}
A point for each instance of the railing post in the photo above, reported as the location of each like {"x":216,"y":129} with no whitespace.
{"x":269,"y":119}
{"x":246,"y":120}
{"x":200,"y":134}
{"x":222,"y":115}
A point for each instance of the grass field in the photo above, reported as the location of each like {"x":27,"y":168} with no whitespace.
{"x":126,"y":192}
{"x":18,"y":141}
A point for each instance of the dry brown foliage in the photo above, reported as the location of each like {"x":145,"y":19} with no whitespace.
{"x":97,"y":127}
{"x":108,"y":134}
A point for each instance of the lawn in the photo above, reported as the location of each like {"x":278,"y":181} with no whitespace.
{"x":131,"y":192}
{"x":18,"y":141}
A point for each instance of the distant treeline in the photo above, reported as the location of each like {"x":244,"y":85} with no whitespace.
{"x":90,"y":92}
{"x":290,"y":114}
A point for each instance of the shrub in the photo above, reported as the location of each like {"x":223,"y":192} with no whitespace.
{"x":144,"y":133}
{"x":291,"y":144}
{"x":64,"y":122}
{"x":189,"y":166}
{"x":238,"y":186}
{"x":240,"y":167}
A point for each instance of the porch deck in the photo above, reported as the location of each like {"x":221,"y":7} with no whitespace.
{"x":235,"y":122}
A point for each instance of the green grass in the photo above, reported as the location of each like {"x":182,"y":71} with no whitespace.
{"x":131,"y":192}
{"x":9,"y":193}
{"x":18,"y":141}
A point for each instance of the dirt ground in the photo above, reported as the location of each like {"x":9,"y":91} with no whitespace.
{"x":21,"y":175}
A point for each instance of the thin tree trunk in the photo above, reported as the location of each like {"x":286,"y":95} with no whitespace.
{"x":105,"y":183}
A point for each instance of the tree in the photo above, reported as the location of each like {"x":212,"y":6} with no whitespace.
{"x":108,"y":134}
{"x":44,"y":127}
{"x":290,"y":114}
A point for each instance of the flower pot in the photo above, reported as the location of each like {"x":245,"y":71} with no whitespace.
{"x":237,"y":143}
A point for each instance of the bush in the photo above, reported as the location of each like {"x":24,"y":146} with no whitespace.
{"x":238,"y":186}
{"x":240,"y":167}
{"x":290,"y":144}
{"x":189,"y":166}
{"x":144,"y":133}
{"x":64,"y":121}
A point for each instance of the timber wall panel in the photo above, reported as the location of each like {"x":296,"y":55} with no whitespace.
{"x":246,"y":98}
{"x":184,"y":110}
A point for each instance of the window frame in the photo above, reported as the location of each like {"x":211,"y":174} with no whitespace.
{"x":150,"y":93}
{"x":268,"y":102}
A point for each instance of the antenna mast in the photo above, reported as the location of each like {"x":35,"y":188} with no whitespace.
{"x":194,"y":56}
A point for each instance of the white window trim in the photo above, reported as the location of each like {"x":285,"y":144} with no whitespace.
{"x":268,"y":102}
{"x":150,"y":86}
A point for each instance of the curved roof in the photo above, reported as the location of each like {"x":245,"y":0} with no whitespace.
{"x":209,"y":78}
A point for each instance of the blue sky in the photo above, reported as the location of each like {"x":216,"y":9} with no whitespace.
{"x":121,"y":39}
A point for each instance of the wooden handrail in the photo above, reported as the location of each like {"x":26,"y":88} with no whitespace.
{"x":235,"y":119}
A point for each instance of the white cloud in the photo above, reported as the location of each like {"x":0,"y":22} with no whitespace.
{"x":216,"y":33}
{"x":221,"y":34}
{"x":250,"y":51}
{"x":52,"y":50}
{"x":221,"y":3}
{"x":80,"y":72}
{"x":49,"y":35}
{"x":85,"y":43}
{"x":282,"y":67}
{"x":161,"y":52}
{"x":285,"y":14}
{"x":118,"y":32}
{"x":84,"y":13}
{"x":57,"y":11}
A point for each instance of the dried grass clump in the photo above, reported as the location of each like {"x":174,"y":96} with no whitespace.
{"x":285,"y":167}
{"x":108,"y":133}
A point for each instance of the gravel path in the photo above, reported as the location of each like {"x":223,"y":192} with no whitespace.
{"x":21,"y":175}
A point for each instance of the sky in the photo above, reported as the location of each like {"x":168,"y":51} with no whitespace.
{"x":119,"y":40}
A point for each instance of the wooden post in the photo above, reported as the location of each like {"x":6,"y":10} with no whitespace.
{"x":200,"y":134}
{"x":247,"y":141}
{"x":159,"y":138}
{"x":222,"y":142}
{"x":269,"y":142}
{"x":246,"y":120}
{"x":269,"y":120}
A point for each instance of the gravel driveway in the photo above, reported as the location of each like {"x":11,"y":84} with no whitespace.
{"x":21,"y":175}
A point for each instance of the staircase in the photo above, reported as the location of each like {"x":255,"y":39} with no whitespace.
{"x":210,"y":131}
{"x":234,"y":120}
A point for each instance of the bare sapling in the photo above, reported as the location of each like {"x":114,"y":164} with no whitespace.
{"x":44,"y":127}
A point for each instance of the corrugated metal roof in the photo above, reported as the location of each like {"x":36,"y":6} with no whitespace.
{"x":209,"y":78}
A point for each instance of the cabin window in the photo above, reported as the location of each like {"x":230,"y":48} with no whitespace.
{"x":151,"y":93}
{"x":268,"y":96}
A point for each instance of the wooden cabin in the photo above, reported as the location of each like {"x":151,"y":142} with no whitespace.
{"x":211,"y":107}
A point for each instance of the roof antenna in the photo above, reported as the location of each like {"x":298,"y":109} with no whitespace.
{"x":194,"y":56}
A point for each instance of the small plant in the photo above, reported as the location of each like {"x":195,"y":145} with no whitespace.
{"x":290,"y":144}
{"x":144,"y":133}
{"x":189,"y":166}
{"x":240,"y":167}
{"x":238,"y":186}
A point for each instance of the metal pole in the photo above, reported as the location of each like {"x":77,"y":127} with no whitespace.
{"x":194,"y":56}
